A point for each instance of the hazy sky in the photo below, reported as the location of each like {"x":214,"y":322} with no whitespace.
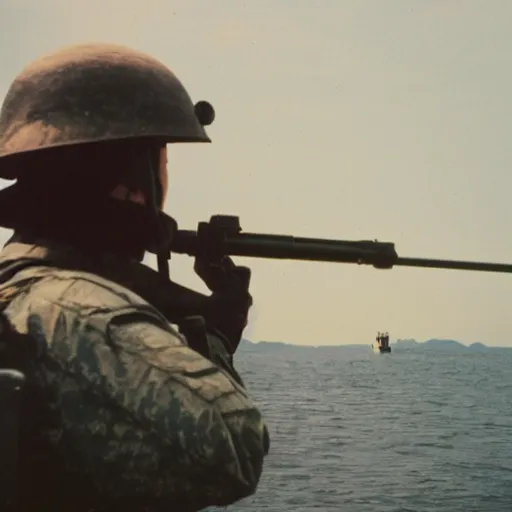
{"x":347,"y":119}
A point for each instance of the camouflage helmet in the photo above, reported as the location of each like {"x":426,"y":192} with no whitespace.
{"x":93,"y":93}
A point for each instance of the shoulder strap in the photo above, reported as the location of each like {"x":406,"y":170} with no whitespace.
{"x":12,"y":384}
{"x":11,"y":387}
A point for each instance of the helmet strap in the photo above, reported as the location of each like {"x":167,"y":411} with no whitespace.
{"x":155,"y":192}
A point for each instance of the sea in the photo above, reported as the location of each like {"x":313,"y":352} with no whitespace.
{"x":354,"y":431}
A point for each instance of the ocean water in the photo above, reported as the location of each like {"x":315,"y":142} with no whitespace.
{"x":355,"y":431}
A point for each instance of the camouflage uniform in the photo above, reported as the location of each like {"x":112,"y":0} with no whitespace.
{"x":123,"y":414}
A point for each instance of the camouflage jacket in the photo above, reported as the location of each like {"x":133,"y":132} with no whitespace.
{"x":126,"y":414}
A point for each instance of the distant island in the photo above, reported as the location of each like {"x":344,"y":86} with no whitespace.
{"x":400,"y":344}
{"x":440,"y":344}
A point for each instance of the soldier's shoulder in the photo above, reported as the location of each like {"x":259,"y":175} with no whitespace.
{"x":52,"y":293}
{"x":75,"y":288}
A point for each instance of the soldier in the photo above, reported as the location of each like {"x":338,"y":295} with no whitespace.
{"x":123,"y":411}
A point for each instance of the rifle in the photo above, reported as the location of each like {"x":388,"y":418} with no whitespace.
{"x":223,"y":236}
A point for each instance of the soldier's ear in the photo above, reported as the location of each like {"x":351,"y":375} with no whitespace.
{"x":163,"y":175}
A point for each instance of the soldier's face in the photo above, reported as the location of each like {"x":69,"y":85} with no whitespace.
{"x":163,"y":174}
{"x":137,"y":196}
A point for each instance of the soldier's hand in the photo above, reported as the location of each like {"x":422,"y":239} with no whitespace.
{"x":229,"y":304}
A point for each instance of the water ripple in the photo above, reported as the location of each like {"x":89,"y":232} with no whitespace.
{"x":358,"y":432}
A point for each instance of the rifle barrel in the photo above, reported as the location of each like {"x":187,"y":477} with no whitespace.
{"x":455,"y":264}
{"x":364,"y":252}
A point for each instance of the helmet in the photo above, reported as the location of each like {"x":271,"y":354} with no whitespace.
{"x":92,"y":93}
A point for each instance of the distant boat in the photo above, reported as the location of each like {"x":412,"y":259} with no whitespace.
{"x":381,"y":344}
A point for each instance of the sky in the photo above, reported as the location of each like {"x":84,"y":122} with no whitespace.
{"x":343,"y":119}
